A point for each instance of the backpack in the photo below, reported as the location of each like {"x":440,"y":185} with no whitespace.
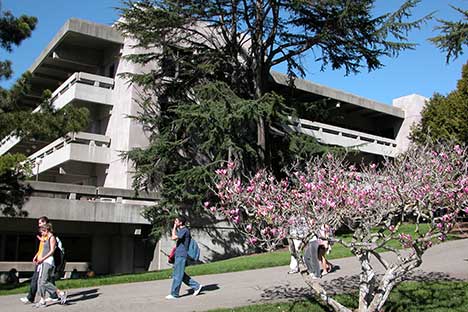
{"x":193,"y":251}
{"x":59,"y":258}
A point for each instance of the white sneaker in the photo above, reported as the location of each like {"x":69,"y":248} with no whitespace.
{"x":312,"y":276}
{"x":52,"y":299}
{"x":197,"y":291}
{"x":25,"y":300}
{"x":41,"y":304}
{"x":63,"y":297}
{"x":170,"y":297}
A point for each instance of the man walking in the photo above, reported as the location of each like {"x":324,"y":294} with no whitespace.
{"x":181,"y":234}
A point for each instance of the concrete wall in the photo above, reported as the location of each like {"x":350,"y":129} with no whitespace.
{"x":412,"y":105}
{"x":125,"y":133}
{"x":217,"y":241}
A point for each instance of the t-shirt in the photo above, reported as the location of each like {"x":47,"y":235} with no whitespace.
{"x":183,"y":240}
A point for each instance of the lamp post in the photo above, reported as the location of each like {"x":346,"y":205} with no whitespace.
{"x":38,"y":163}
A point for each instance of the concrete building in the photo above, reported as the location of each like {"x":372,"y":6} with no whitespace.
{"x":82,"y":183}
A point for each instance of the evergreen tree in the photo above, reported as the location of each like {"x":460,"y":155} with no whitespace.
{"x":453,"y":37}
{"x":445,"y":118}
{"x":209,"y":92}
{"x":16,"y":117}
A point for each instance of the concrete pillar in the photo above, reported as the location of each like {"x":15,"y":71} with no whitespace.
{"x":412,"y":105}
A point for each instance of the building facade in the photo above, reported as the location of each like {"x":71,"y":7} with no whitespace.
{"x":83,"y":184}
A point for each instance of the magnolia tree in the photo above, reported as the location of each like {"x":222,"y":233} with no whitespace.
{"x":427,"y":184}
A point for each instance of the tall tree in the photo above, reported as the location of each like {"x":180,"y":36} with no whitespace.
{"x":453,"y":35}
{"x":209,"y":66}
{"x":16,"y":117}
{"x":445,"y":118}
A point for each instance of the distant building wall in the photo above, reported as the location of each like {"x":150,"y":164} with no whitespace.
{"x":412,"y":105}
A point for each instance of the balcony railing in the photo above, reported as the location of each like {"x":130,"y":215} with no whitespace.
{"x":80,"y":86}
{"x":83,"y":86}
{"x":332,"y":135}
{"x":80,"y":146}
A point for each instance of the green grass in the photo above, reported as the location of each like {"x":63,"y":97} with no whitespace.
{"x":242,"y":263}
{"x":407,"y":297}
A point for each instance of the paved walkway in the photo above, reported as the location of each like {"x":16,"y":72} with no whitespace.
{"x":444,"y":261}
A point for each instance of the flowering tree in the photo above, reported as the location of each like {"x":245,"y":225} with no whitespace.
{"x":427,"y":184}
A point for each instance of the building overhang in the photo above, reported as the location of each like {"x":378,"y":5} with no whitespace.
{"x":59,"y":60}
{"x":349,"y":102}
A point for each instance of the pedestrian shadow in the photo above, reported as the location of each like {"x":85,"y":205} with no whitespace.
{"x":74,"y":297}
{"x":206,"y":288}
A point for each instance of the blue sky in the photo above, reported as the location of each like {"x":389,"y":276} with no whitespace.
{"x":422,"y":71}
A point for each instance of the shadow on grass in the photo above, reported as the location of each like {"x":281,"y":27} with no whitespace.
{"x":434,"y":292}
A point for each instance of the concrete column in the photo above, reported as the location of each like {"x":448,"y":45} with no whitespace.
{"x":412,"y":105}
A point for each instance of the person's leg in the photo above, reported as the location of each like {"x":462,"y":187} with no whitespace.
{"x":47,"y":285}
{"x":190,"y":282}
{"x":177,"y":275}
{"x":41,"y":282}
{"x":311,"y":259}
{"x":323,"y":261}
{"x":33,"y":287}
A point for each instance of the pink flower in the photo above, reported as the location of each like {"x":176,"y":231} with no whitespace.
{"x":206,"y":204}
{"x":221,"y":172}
{"x":253,"y":240}
{"x":231,"y":165}
{"x":213,"y":209}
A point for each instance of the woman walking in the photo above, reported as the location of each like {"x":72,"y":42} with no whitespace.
{"x":45,"y":263}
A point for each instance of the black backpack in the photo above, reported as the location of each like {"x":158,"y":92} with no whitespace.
{"x":59,"y":258}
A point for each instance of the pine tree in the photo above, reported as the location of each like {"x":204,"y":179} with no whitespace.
{"x":16,"y":118}
{"x":214,"y":96}
{"x":453,"y":37}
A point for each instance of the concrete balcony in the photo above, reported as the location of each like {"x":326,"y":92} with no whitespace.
{"x":331,"y":135}
{"x":80,"y":87}
{"x":80,"y":146}
{"x":71,"y":202}
{"x":83,"y":87}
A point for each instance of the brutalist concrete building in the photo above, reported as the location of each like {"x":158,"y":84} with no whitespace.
{"x":84,"y":186}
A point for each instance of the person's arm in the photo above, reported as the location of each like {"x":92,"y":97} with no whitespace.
{"x":53,"y":244}
{"x":174,"y":232}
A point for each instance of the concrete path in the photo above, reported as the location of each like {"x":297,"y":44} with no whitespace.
{"x":444,"y":261}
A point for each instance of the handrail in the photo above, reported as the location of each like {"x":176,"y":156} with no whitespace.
{"x":71,"y":137}
{"x":78,"y":77}
{"x":82,"y":78}
{"x":314,"y":125}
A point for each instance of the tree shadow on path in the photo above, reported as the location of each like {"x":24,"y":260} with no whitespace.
{"x":431,"y":292}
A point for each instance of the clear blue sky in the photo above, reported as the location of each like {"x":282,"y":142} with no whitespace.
{"x":421,"y":71}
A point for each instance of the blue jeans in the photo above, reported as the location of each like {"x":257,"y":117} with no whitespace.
{"x":179,"y":276}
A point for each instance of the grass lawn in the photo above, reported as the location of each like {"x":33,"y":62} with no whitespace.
{"x":242,"y":263}
{"x":407,"y":297}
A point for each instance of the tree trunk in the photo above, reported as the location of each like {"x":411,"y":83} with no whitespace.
{"x":366,"y":283}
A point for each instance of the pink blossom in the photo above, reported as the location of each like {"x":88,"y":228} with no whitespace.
{"x":206,"y":204}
